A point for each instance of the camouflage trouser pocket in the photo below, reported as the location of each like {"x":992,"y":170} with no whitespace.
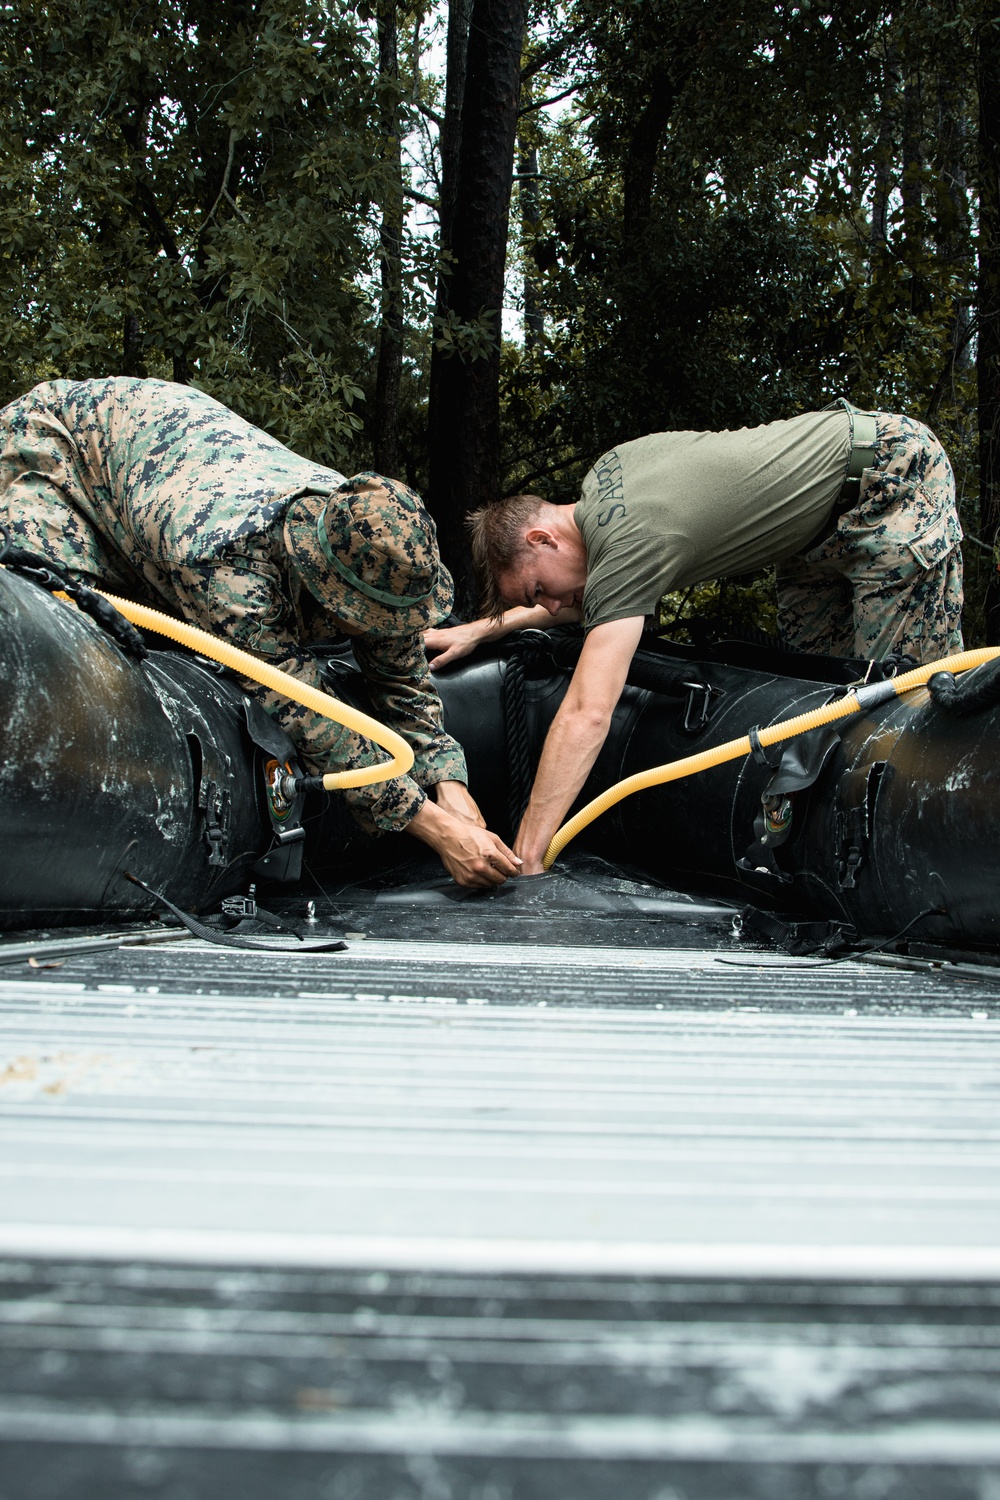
{"x":941,"y":537}
{"x":898,"y":527}
{"x":246,"y":603}
{"x":888,"y":577}
{"x":905,"y":516}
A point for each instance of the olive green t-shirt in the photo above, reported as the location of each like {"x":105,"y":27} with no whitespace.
{"x":676,"y":508}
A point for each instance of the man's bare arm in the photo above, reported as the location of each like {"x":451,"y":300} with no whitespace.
{"x":577,"y":733}
{"x":455,"y":641}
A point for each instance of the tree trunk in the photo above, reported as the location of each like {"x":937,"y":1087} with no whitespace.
{"x":912,"y":186}
{"x":390,"y":340}
{"x":640,"y":162}
{"x":457,"y":56}
{"x":988,"y":351}
{"x":531,"y":217}
{"x":148,"y":212}
{"x":465,"y":391}
{"x":951,"y":229}
{"x":132,"y":361}
{"x":459,"y":17}
{"x":884,"y":156}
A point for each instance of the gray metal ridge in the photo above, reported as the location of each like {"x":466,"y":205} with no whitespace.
{"x":164,"y":1245}
{"x":598,"y":1438}
{"x":17,"y":951}
{"x":641,"y":1111}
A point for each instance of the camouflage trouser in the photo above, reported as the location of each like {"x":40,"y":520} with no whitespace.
{"x":888,"y":576}
{"x":63,"y":496}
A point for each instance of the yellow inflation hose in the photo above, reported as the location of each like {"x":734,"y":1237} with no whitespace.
{"x":856,"y":700}
{"x":289,"y":687}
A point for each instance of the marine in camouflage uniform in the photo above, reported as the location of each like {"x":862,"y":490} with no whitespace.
{"x":886,"y":576}
{"x":157,"y":492}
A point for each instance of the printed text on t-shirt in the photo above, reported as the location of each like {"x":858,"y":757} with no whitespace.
{"x":610,"y":488}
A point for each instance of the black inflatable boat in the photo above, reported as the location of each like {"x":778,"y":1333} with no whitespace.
{"x":162,"y":768}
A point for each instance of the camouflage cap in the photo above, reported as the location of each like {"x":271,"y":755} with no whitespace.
{"x":369,"y":553}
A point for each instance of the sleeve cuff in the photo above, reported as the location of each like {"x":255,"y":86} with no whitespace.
{"x":388,"y":807}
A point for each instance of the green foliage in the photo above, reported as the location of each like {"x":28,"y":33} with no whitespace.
{"x":466,"y":341}
{"x":187,"y":188}
{"x":745,"y":208}
{"x":737,"y":607}
{"x":751,"y":208}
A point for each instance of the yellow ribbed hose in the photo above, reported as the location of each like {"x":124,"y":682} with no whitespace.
{"x":690,"y":765}
{"x":289,"y":687}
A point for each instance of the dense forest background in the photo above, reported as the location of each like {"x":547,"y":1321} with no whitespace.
{"x":703,"y":214}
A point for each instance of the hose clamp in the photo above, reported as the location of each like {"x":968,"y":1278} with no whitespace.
{"x":769,"y":755}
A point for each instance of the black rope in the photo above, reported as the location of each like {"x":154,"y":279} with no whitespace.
{"x":56,"y":580}
{"x":520,"y":768}
{"x":971,"y":693}
{"x":879,"y":945}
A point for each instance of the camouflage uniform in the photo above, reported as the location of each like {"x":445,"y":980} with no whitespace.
{"x":158,"y":493}
{"x":887,"y":574}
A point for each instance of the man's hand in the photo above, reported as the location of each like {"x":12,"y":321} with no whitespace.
{"x":472,"y":855}
{"x":456,"y":641}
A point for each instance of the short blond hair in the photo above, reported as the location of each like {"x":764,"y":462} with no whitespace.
{"x":496,"y":535}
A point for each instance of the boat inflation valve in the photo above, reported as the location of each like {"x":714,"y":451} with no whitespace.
{"x":282,"y":788}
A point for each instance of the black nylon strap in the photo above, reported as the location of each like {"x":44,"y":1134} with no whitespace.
{"x":229,"y":940}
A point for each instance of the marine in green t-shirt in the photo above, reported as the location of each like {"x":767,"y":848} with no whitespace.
{"x":676,"y":508}
{"x":857,"y":510}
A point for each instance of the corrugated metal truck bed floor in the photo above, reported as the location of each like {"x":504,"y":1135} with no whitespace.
{"x":639,"y":1211}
